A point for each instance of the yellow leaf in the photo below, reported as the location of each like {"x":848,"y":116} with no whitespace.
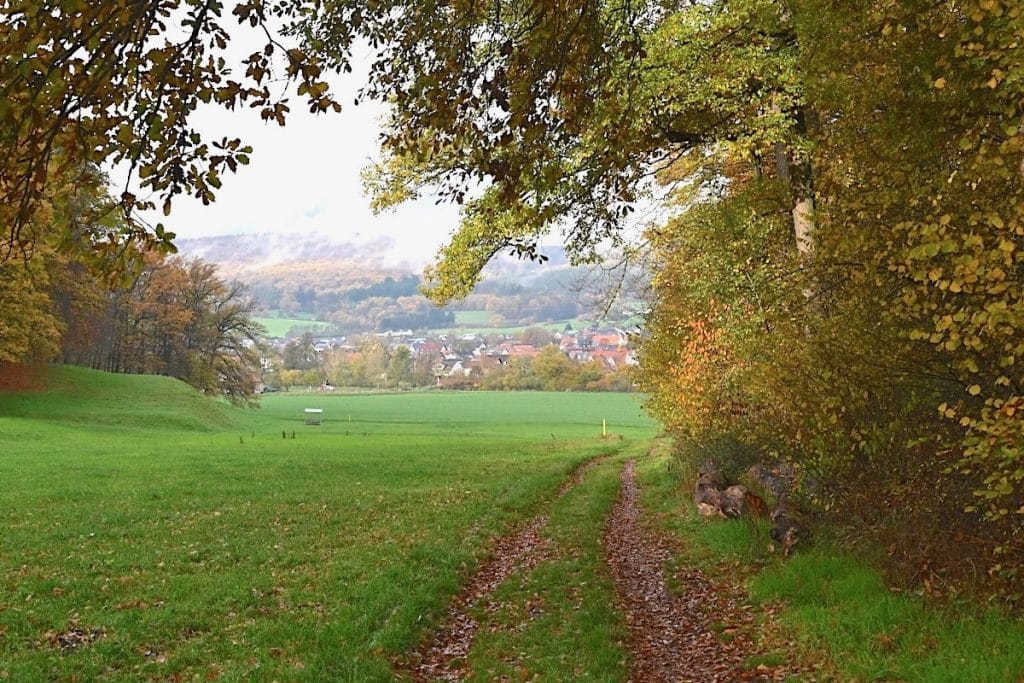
{"x":974,"y":390}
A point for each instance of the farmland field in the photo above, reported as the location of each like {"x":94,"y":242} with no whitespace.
{"x":153,"y":533}
{"x":280,"y":327}
{"x":473,"y":318}
{"x":478,"y":322}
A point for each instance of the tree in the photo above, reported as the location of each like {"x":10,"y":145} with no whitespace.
{"x":29,"y":329}
{"x":91,"y":83}
{"x":301,"y":353}
{"x":221,"y":336}
{"x":559,"y":112}
{"x":83,"y":303}
{"x":554,"y":370}
{"x":400,"y":367}
{"x":905,"y":383}
{"x":371,"y":365}
{"x":536,"y":336}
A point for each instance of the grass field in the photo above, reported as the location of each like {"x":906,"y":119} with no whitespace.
{"x":151,"y":533}
{"x":473,"y":318}
{"x":482,"y":331}
{"x":155,"y":534}
{"x":281,"y":327}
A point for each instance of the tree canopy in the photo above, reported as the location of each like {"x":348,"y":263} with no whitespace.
{"x":83,"y":84}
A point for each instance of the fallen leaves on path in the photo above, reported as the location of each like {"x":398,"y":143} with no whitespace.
{"x":672,"y":637}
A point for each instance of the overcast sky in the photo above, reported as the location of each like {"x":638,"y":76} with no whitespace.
{"x":305,"y":178}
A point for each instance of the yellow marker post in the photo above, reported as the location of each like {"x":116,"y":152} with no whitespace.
{"x":604,"y":427}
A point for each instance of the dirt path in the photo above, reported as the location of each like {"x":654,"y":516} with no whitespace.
{"x":669,"y":635}
{"x":444,"y":657}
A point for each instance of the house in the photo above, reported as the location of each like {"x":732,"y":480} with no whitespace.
{"x":490,"y":360}
{"x":612,"y":356}
{"x":609,"y":337}
{"x":514,"y":350}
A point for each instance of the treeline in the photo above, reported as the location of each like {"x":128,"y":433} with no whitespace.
{"x":514,"y":305}
{"x":114,"y":305}
{"x":175,"y":318}
{"x":841,"y":288}
{"x":395,"y":303}
{"x":171,"y":317}
{"x":552,"y":370}
{"x":373,"y":364}
{"x":303,"y":288}
{"x":380,"y":314}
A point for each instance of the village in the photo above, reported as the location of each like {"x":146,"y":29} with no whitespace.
{"x":536,"y":358}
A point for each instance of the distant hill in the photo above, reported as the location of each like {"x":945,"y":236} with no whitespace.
{"x":269,"y":252}
{"x":355,"y":287}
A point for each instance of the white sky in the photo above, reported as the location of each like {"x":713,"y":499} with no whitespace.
{"x":305,"y":178}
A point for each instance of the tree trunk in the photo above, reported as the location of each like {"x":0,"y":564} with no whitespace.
{"x":803,"y":223}
{"x":798,"y":177}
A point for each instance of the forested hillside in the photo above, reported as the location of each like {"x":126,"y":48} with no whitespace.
{"x":353,"y":288}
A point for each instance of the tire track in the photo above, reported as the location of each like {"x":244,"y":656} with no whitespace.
{"x":669,"y":635}
{"x":443,"y":658}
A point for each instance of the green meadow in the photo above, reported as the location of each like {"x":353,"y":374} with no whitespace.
{"x":152,"y":533}
{"x":281,"y":327}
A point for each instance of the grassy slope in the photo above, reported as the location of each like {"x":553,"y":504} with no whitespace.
{"x":203,"y":543}
{"x":481,"y":330}
{"x":473,"y":318}
{"x":837,"y":606}
{"x":73,"y":397}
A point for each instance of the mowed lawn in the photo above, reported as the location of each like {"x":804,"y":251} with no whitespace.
{"x":147,"y":532}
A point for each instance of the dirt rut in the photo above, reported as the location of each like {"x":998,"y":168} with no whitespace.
{"x":444,"y":656}
{"x":669,"y":635}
